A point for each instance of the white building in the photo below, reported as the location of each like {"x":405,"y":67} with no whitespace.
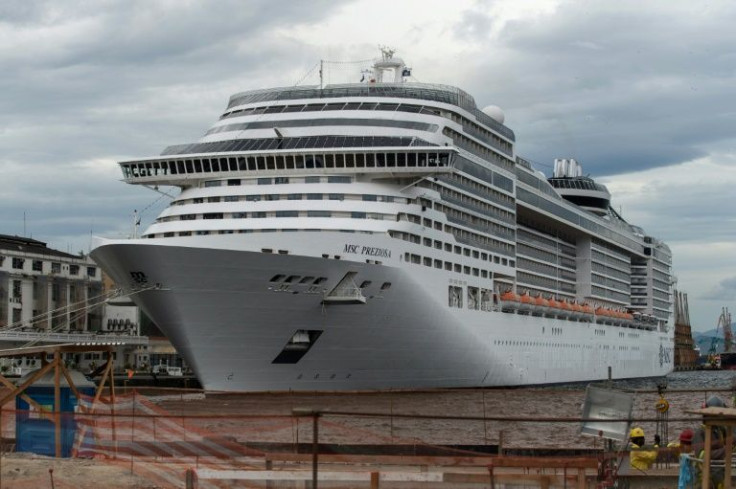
{"x":48,"y":296}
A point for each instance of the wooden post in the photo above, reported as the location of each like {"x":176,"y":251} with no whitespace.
{"x":110,"y":374}
{"x":269,"y":466}
{"x":191,"y":479}
{"x":727,"y":458}
{"x":315,"y":449}
{"x":705,"y":481}
{"x":375,"y":480}
{"x":581,"y":478}
{"x":57,"y":403}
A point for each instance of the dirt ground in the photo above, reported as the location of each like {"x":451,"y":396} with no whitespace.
{"x":29,"y":471}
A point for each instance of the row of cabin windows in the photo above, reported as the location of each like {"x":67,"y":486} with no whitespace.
{"x":480,"y":132}
{"x":452,"y":248}
{"x":248,"y":231}
{"x":450,"y":266}
{"x":286,"y":162}
{"x":484,"y":152}
{"x":609,"y":271}
{"x":278,"y":109}
{"x":478,"y":223}
{"x":294,"y":196}
{"x":604,"y":293}
{"x":310,"y":280}
{"x":235,"y":182}
{"x":544,"y":230}
{"x":282,"y":124}
{"x":468,"y":124}
{"x":283,"y":213}
{"x":482,"y":189}
{"x":474,"y":239}
{"x":467,"y":201}
{"x":49,"y":267}
{"x":333,"y":142}
{"x":609,"y":248}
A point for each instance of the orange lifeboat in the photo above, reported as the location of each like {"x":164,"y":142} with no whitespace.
{"x":577,"y":310}
{"x":509,"y":301}
{"x":541,"y":302}
{"x":554,"y":307}
{"x":603,"y":314}
{"x":527,"y":303}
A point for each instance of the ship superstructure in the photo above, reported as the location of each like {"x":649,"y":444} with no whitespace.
{"x":385,"y":234}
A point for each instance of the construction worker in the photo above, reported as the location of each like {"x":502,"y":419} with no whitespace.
{"x":640,"y":457}
{"x":686,"y":441}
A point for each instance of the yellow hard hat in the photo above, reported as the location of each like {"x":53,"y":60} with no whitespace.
{"x":636,"y":433}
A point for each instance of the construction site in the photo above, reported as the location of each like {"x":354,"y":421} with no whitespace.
{"x":60,"y":430}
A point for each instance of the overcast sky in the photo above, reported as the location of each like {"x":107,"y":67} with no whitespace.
{"x":640,"y":93}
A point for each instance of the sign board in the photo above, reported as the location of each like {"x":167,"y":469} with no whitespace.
{"x":602,"y":405}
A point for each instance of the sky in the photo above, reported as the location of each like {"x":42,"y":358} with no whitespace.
{"x":642,"y":94}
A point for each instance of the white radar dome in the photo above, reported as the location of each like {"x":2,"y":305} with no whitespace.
{"x":494,"y":112}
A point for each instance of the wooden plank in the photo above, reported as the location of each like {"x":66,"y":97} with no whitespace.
{"x":545,"y":462}
{"x":32,"y":402}
{"x":705,"y":481}
{"x":40,"y":373}
{"x":428,"y":460}
{"x":728,"y":456}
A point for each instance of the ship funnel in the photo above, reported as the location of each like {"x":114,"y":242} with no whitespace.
{"x":567,"y":168}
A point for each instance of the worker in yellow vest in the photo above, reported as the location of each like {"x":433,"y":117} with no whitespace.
{"x":641,"y":457}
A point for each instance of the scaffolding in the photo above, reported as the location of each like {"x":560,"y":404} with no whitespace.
{"x":59,"y":368}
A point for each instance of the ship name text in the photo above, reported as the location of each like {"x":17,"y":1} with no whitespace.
{"x":367,"y":250}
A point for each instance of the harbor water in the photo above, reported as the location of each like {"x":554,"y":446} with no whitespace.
{"x":545,"y":417}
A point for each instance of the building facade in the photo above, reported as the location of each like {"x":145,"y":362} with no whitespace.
{"x":48,"y":296}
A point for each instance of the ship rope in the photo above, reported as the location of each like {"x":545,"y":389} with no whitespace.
{"x":75,"y":310}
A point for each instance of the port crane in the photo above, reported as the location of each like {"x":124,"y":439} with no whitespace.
{"x":724,"y":321}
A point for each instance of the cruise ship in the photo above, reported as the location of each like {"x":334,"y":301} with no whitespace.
{"x":385,"y":235}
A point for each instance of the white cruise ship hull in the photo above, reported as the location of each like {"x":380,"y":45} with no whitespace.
{"x":216,"y":303}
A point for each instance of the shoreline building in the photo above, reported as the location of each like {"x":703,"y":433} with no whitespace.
{"x":49,"y":296}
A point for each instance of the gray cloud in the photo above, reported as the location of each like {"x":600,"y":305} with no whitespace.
{"x":725,"y":290}
{"x":622,"y":86}
{"x":90,"y":83}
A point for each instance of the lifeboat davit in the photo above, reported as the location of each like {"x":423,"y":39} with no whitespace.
{"x":554,"y":307}
{"x":588,"y":312}
{"x":541,"y":304}
{"x":564,"y":307}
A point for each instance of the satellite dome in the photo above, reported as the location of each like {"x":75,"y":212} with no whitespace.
{"x":494,"y":112}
